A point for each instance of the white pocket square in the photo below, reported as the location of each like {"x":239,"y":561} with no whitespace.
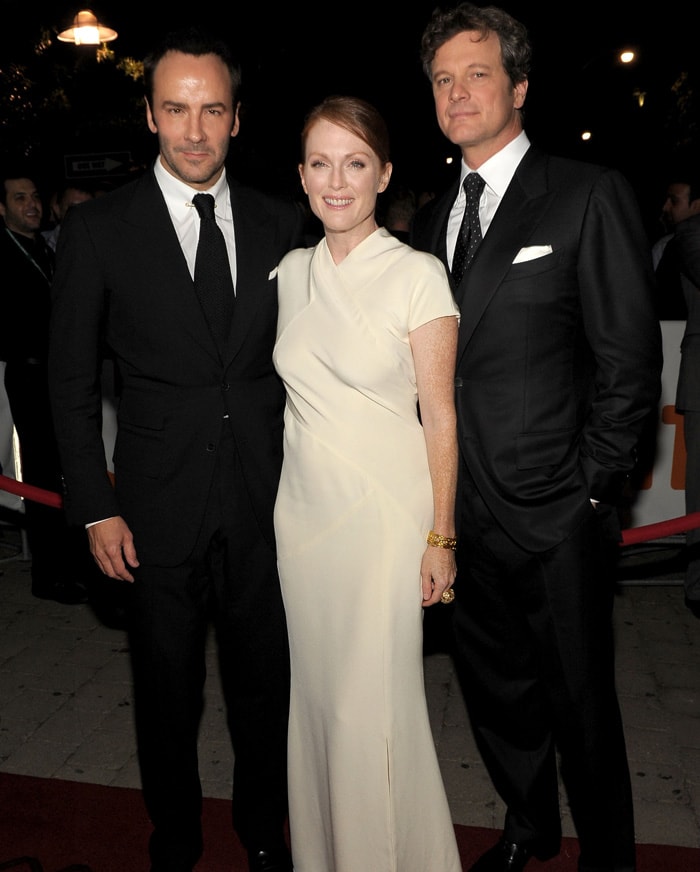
{"x":272,"y":275}
{"x":530,"y":252}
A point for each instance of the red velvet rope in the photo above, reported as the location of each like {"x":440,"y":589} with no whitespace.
{"x":661,"y":529}
{"x":631,"y":536}
{"x":29,"y":492}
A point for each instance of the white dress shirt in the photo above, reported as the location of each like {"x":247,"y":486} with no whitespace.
{"x":497,"y":173}
{"x":185,"y":218}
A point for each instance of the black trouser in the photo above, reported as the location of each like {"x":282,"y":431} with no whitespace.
{"x":59,"y":552}
{"x":691,"y":429}
{"x":230,"y":581}
{"x":534,"y":649}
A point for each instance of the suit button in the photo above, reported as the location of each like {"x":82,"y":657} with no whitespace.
{"x":225,"y":386}
{"x":211,"y":447}
{"x":458,"y":382}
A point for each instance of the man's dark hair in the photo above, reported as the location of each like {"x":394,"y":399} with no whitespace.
{"x":16,"y":170}
{"x":192,"y":40}
{"x":516,"y":50}
{"x":687,"y":172}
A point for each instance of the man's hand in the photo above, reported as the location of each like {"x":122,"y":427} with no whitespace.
{"x":112,"y":546}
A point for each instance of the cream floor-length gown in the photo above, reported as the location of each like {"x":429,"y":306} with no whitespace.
{"x":352,"y":514}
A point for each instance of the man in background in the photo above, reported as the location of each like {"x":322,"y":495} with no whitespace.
{"x":399,"y":207}
{"x":58,"y":568}
{"x":687,"y":244}
{"x":682,"y":201}
{"x":69,"y":194}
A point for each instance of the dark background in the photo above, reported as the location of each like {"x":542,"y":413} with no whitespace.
{"x":293,"y":54}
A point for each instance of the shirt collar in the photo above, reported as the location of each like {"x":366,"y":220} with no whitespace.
{"x":178,"y":195}
{"x":499,"y":169}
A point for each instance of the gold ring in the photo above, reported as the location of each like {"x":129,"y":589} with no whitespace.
{"x":447,"y":596}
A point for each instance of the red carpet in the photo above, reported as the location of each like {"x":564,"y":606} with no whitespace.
{"x":66,"y":826}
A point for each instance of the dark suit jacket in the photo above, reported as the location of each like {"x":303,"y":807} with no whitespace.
{"x":24,"y":290}
{"x":687,"y":240}
{"x":559,"y":356}
{"x":122,"y":279}
{"x":671,"y":303}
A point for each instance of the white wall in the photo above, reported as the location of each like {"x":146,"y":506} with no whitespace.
{"x":663,"y":496}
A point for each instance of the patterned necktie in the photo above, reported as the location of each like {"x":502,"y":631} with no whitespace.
{"x":212,"y":271}
{"x":470,"y":229}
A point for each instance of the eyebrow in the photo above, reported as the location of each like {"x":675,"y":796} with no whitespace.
{"x":217,"y":104}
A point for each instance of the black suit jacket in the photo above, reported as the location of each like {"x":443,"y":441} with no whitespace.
{"x":122,"y":282}
{"x":24,"y":325}
{"x":559,"y":355}
{"x":687,"y":239}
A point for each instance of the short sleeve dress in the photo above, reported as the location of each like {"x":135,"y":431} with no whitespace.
{"x":351,"y":518}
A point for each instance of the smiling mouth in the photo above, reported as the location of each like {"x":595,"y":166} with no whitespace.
{"x":337,"y":201}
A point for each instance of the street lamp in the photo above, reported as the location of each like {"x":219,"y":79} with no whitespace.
{"x":87,"y":30}
{"x":607,"y":84}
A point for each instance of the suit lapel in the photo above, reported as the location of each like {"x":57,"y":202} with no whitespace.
{"x":253,"y":238}
{"x":147,"y":216}
{"x":523,"y":204}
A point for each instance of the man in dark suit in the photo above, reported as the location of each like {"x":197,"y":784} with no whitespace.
{"x":682,"y":201}
{"x":61,"y":567}
{"x":558,"y":369}
{"x":198,"y":449}
{"x":687,"y":243}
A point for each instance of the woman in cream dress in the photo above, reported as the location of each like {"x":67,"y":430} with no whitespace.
{"x":367,"y":328}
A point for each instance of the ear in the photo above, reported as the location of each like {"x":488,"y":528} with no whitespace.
{"x":152,"y":126}
{"x":301,"y":176}
{"x":520,"y":92}
{"x":385,"y":177}
{"x":236,"y":121}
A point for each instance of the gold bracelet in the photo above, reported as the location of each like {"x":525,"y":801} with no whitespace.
{"x":439,"y":541}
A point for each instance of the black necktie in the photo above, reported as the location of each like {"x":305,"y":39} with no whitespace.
{"x":212,"y":271}
{"x":470,"y":228}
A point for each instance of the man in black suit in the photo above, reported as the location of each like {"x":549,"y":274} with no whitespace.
{"x":59,"y":568}
{"x":687,"y":243}
{"x":198,"y":449}
{"x":558,"y":369}
{"x":682,"y":201}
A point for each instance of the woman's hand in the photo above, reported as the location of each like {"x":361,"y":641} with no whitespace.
{"x":438,"y":572}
